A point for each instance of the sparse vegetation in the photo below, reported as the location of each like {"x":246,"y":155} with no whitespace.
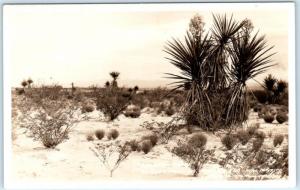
{"x":153,"y":138}
{"x":243,"y":136}
{"x":113,"y":134}
{"x":146,"y":146}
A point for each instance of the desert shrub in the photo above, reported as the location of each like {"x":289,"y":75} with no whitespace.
{"x":269,"y":118}
{"x":251,"y":130}
{"x":99,"y":134}
{"x":49,"y":121}
{"x":281,"y":117}
{"x":153,"y":138}
{"x":257,"y":108}
{"x":112,"y":102}
{"x":87,"y":109}
{"x":20,"y":91}
{"x":113,"y":134}
{"x":261,"y":96}
{"x":257,"y":144}
{"x":50,"y":92}
{"x":278,"y":139}
{"x":134,"y":145}
{"x":260,"y":134}
{"x":170,"y":111}
{"x":146,"y":146}
{"x":228,"y":141}
{"x":261,"y":157}
{"x":132,"y":111}
{"x":111,"y":154}
{"x":89,"y":137}
{"x":243,"y":136}
{"x":193,"y":152}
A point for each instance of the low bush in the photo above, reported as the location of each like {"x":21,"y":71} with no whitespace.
{"x":132,"y":111}
{"x":252,"y":129}
{"x":257,"y":108}
{"x":281,"y":117}
{"x":112,"y":102}
{"x":269,"y":118}
{"x":170,"y":111}
{"x":111,"y":155}
{"x":257,"y":144}
{"x":228,"y":141}
{"x":193,"y":152}
{"x":99,"y":134}
{"x":87,"y":109}
{"x":278,"y":139}
{"x":260,"y":134}
{"x":243,"y":136}
{"x":89,"y":137}
{"x":153,"y":138}
{"x":146,"y":146}
{"x":113,"y":134}
{"x":133,"y":145}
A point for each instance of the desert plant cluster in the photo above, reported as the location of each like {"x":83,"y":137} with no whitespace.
{"x":210,"y":117}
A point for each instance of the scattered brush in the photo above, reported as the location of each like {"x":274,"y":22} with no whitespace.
{"x":99,"y":134}
{"x":278,"y":139}
{"x":257,"y":144}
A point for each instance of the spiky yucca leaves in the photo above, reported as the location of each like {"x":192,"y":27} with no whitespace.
{"x":214,"y":71}
{"x":249,"y":57}
{"x":269,"y":82}
{"x":115,"y":76}
{"x":281,"y":86}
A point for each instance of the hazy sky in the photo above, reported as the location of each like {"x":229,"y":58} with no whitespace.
{"x":83,"y":43}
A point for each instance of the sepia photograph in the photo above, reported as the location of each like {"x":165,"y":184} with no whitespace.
{"x":165,"y":95}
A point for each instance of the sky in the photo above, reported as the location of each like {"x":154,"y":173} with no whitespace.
{"x":84,"y":43}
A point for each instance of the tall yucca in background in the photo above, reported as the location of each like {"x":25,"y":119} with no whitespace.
{"x":214,"y":68}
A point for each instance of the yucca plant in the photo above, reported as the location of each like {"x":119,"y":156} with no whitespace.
{"x":215,"y":68}
{"x":29,"y":82}
{"x":115,"y":76}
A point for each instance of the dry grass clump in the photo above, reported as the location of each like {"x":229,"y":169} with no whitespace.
{"x":146,"y":146}
{"x":278,"y":139}
{"x":269,"y":118}
{"x":243,"y":136}
{"x":170,"y":111}
{"x":260,"y":134}
{"x":153,"y":139}
{"x":99,"y":134}
{"x":134,"y":145}
{"x":113,"y":134}
{"x":228,"y":141}
{"x":252,"y":129}
{"x":281,"y":117}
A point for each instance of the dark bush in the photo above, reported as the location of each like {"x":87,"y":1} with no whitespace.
{"x":197,"y":140}
{"x":278,"y":139}
{"x":153,"y":139}
{"x":281,"y":117}
{"x":20,"y":91}
{"x":269,"y":118}
{"x":87,"y":109}
{"x":132,"y":111}
{"x":170,"y":111}
{"x":99,"y":134}
{"x":260,"y":134}
{"x":257,"y":108}
{"x":261,"y":96}
{"x":113,"y":134}
{"x":146,"y":146}
{"x":257,"y":144}
{"x":228,"y":141}
{"x":112,"y":102}
{"x":243,"y":136}
{"x":133,"y":145}
{"x":89,"y":137}
{"x":251,"y":130}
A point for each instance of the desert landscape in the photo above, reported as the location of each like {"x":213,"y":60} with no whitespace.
{"x":208,"y":125}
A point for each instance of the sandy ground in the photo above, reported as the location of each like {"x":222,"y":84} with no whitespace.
{"x":73,"y":160}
